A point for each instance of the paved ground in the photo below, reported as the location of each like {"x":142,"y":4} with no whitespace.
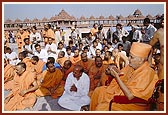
{"x":46,"y":103}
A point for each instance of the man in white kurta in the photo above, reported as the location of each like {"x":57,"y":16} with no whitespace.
{"x":29,"y":48}
{"x":76,"y":90}
{"x":11,"y":56}
{"x":57,"y":34}
{"x":93,"y":48}
{"x":41,"y":53}
{"x":35,"y":36}
{"x":51,"y":48}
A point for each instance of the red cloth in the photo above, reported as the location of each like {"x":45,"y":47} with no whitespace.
{"x":125,"y":100}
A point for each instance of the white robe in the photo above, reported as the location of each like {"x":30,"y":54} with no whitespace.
{"x":58,"y":36}
{"x":36,"y":35}
{"x":12,"y":57}
{"x":137,"y":35}
{"x":68,"y":56}
{"x":43,"y":55}
{"x":75,"y":100}
{"x":53,"y":47}
{"x":93,"y":50}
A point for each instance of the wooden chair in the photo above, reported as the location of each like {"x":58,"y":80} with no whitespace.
{"x":152,"y":101}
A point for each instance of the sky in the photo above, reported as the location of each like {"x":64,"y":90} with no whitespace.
{"x":40,"y":10}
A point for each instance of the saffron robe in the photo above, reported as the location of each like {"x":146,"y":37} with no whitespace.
{"x":74,"y":60}
{"x":50,"y":80}
{"x":18,"y":102}
{"x":108,"y":62}
{"x":86,"y":65}
{"x":61,"y":61}
{"x":95,"y":71}
{"x":38,"y":68}
{"x":9,"y":73}
{"x":140,"y":82}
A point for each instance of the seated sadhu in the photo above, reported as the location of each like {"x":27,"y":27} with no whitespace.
{"x":66,"y":69}
{"x":85,"y":62}
{"x":95,"y":74}
{"x":22,"y":94}
{"x":138,"y":80}
{"x":50,"y":82}
{"x":37,"y":66}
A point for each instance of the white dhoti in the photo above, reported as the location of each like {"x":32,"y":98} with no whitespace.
{"x":73,"y":102}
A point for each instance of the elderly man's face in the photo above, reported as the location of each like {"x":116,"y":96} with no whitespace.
{"x":50,"y":40}
{"x":77,"y":72}
{"x":135,"y":62}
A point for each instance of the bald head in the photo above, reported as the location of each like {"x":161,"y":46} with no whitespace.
{"x":20,"y":68}
{"x":67,"y":64}
{"x":78,"y":67}
{"x":77,"y":72}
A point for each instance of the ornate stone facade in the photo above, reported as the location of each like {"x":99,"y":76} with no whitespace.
{"x":63,"y":19}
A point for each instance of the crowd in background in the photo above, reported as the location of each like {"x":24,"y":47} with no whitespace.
{"x":49,"y":58}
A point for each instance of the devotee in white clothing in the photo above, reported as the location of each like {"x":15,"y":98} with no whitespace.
{"x":35,"y":36}
{"x":93,"y":48}
{"x":51,"y":48}
{"x":76,"y":90}
{"x":11,"y":56}
{"x":41,"y":53}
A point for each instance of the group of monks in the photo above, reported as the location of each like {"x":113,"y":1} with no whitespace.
{"x":48,"y":82}
{"x":28,"y":79}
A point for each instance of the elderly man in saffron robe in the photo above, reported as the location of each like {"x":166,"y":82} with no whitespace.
{"x":138,"y":80}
